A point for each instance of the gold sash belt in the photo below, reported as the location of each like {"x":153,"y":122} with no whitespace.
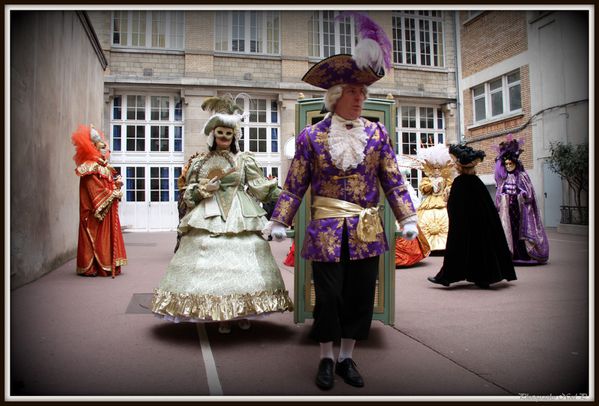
{"x":369,"y":224}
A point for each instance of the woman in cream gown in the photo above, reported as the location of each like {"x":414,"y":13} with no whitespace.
{"x":223,"y":269}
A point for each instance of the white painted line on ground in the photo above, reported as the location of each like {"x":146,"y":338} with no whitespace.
{"x":214,"y":387}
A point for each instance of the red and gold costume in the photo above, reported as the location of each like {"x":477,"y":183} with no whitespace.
{"x":100,"y":250}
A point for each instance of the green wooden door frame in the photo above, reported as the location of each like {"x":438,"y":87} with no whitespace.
{"x":307,"y":112}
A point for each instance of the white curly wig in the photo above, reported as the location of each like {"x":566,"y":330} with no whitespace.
{"x":334,"y":93}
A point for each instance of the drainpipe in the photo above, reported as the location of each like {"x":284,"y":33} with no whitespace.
{"x":458,"y":69}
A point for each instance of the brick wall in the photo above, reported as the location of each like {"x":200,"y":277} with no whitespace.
{"x":199,"y":30}
{"x":501,"y":126}
{"x":293,"y":71}
{"x":427,"y":81}
{"x":199,"y":65}
{"x":491,"y":38}
{"x":232,"y":67}
{"x":294,"y":33}
{"x":133,"y":64}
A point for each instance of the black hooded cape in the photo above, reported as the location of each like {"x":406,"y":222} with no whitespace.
{"x":476,"y":249}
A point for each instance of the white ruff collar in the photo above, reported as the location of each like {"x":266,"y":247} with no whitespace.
{"x":346,"y":146}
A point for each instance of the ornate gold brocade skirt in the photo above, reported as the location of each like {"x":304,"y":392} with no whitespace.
{"x":434,"y":223}
{"x":221,"y":277}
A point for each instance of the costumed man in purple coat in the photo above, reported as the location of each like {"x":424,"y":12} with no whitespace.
{"x":517,"y":205}
{"x":343,"y":158}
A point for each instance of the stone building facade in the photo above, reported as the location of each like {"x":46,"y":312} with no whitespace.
{"x":164,"y":64}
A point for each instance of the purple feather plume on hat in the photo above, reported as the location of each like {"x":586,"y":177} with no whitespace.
{"x":369,"y":30}
{"x":510,"y":147}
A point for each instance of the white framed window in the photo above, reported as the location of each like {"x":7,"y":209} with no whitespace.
{"x":138,"y":28}
{"x":248,"y":32}
{"x":176,"y":174}
{"x":135,"y":183}
{"x":146,"y":124}
{"x":136,"y":108}
{"x":159,"y":184}
{"x":163,"y":185}
{"x":159,"y":106}
{"x":418,"y":127}
{"x":497,"y":98}
{"x":148,"y":29}
{"x":328,"y":37}
{"x":260,"y":133}
{"x":120,"y":28}
{"x":260,"y":130}
{"x":418,"y":38}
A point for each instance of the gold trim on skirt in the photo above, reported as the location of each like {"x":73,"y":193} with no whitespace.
{"x":194,"y":307}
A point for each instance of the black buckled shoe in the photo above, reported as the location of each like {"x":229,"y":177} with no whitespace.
{"x":347,"y":370}
{"x":324,"y":377}
{"x":437,"y":281}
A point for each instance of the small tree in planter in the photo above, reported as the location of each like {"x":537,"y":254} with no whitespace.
{"x":571,"y":162}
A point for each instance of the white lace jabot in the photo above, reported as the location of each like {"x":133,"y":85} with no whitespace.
{"x":346,"y":146}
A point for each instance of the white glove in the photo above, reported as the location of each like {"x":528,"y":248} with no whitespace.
{"x":409,"y":231}
{"x":213,"y":185}
{"x":276,"y":230}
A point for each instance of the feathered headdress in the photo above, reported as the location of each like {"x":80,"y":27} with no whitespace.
{"x":436,"y":157}
{"x":84,"y":139}
{"x":429,"y":159}
{"x":371,"y":56}
{"x":225,"y":113}
{"x":373,"y":49}
{"x":510,"y":149}
{"x":466,"y":156}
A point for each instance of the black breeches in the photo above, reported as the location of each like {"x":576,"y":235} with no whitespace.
{"x":344,"y":296}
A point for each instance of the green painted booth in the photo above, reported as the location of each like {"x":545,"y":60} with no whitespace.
{"x":308,"y":111}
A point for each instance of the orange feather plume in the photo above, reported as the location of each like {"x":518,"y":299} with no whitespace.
{"x":85,"y":150}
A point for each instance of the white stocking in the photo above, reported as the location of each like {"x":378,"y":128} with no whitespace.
{"x":347,"y":348}
{"x":326,"y":350}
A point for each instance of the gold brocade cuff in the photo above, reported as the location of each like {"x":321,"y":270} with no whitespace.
{"x":190,"y":307}
{"x":102,"y":210}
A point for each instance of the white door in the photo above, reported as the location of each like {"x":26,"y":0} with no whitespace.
{"x":150,"y":197}
{"x":162,"y":205}
{"x":552,"y":197}
{"x":146,"y":133}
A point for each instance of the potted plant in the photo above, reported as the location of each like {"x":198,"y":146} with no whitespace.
{"x":571,"y":162}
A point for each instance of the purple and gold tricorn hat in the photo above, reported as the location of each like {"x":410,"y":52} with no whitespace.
{"x":371,"y":55}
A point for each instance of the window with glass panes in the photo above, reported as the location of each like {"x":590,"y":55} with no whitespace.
{"x":176,"y":173}
{"x":328,"y":37}
{"x":418,"y":127}
{"x":148,"y":29}
{"x":147,"y":123}
{"x":159,"y":187}
{"x":418,"y":38}
{"x":272,"y":171}
{"x":260,"y":131}
{"x":252,"y":32}
{"x":497,"y":98}
{"x":135,"y":183}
